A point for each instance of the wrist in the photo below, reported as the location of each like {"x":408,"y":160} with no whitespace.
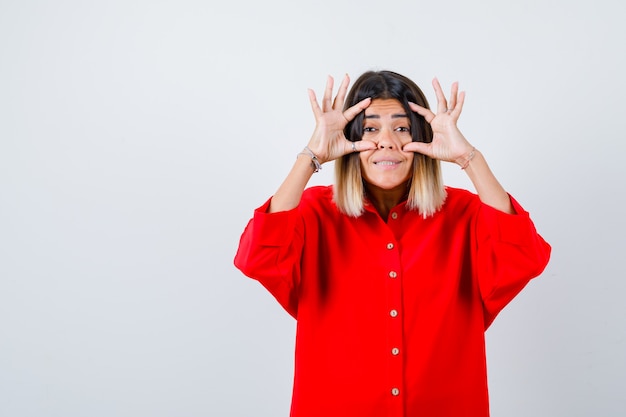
{"x":315,"y":163}
{"x":466,"y":158}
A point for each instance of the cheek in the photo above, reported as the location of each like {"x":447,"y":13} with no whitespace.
{"x":406,"y":138}
{"x":408,"y":171}
{"x":363,"y":157}
{"x":410,"y":165}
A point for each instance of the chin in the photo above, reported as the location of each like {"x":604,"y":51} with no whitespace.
{"x":388,"y":185}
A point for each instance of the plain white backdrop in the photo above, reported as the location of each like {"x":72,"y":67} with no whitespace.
{"x":137,"y":137}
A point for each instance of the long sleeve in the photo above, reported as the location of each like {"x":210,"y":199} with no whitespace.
{"x":509,"y":253}
{"x":269,"y":252}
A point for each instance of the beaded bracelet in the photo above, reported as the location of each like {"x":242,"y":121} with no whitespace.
{"x":315,"y":163}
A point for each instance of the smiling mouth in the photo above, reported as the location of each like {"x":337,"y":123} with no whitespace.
{"x":386,"y":163}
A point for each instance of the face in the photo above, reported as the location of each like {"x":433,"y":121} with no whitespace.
{"x":386,"y":168}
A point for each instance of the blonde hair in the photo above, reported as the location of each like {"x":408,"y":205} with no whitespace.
{"x":426,"y":192}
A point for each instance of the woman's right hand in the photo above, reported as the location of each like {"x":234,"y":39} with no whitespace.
{"x":328,"y":141}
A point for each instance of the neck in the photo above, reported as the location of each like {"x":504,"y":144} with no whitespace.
{"x":385,"y":200}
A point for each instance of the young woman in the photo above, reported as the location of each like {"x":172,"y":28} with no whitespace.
{"x":392,"y":277}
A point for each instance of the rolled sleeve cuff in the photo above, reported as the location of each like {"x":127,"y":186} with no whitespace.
{"x":271,"y":229}
{"x":516,"y":229}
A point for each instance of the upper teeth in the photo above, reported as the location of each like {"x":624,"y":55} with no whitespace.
{"x":385,"y":163}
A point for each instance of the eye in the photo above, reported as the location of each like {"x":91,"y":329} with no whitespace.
{"x":403,"y":129}
{"x":369,"y":129}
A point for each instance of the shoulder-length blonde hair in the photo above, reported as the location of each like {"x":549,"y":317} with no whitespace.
{"x":426,"y":189}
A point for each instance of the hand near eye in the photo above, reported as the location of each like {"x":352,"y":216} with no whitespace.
{"x":328,"y":141}
{"x":448,"y":142}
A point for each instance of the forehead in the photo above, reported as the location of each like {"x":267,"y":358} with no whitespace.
{"x":384,"y":107}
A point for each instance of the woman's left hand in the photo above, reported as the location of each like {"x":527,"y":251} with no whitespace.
{"x":448,"y":142}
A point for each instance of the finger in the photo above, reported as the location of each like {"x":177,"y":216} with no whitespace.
{"x":422,"y":111}
{"x":442,"y":104}
{"x":419,"y":147}
{"x":317,"y":111}
{"x":359,"y":146}
{"x":459,"y":105}
{"x":357,"y":108}
{"x":328,"y":94}
{"x":341,"y":94}
{"x":454,"y":91}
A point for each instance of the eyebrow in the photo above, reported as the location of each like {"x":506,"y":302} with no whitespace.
{"x":393,"y":116}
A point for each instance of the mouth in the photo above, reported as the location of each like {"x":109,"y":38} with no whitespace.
{"x":386,"y":163}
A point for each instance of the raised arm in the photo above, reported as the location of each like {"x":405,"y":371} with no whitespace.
{"x":327,"y":143}
{"x":450,"y":145}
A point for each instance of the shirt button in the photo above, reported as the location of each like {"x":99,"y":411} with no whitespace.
{"x":393,"y":313}
{"x":394,"y":215}
{"x":389,"y":245}
{"x":395,"y":392}
{"x":393,"y":274}
{"x":395,"y":351}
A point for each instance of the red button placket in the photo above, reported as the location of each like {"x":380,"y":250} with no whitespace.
{"x":395,"y":318}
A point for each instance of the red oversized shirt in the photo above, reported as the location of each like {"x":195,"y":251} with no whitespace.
{"x":391,"y":315}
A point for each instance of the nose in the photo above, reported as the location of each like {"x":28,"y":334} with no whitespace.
{"x":385,"y":141}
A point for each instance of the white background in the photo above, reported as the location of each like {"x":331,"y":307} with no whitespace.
{"x":137,"y":137}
